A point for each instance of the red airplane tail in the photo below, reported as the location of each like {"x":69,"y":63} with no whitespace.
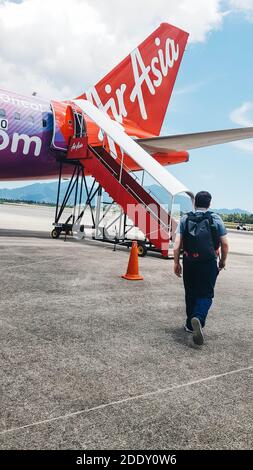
{"x":138,"y":90}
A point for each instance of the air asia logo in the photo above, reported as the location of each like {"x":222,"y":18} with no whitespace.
{"x":76,"y":146}
{"x":159,"y":68}
{"x":20,"y":142}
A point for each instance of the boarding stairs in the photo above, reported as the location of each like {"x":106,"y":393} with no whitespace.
{"x":111,"y":173}
{"x":139,"y":205}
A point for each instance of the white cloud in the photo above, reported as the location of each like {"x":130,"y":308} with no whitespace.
{"x":242,"y":6}
{"x":245,"y":146}
{"x":59,"y":48}
{"x":240,"y":115}
{"x":243,"y":116}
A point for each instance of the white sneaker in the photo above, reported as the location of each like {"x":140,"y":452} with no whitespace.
{"x":198,"y":336}
{"x":187,"y":329}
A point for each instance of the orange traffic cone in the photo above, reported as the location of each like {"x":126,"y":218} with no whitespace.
{"x":132,"y":273}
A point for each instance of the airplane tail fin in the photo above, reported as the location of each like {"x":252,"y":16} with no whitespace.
{"x":138,"y":90}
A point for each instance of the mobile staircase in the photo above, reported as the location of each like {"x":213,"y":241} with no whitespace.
{"x":111,"y":174}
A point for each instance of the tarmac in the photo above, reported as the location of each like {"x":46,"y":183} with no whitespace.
{"x":92,"y":361}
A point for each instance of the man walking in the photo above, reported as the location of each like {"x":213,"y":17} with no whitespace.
{"x":202,"y":236}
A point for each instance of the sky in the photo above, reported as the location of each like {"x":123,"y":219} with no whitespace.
{"x":60,"y":48}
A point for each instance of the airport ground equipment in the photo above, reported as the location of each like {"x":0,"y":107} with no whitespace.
{"x":110,"y":173}
{"x":132,"y":273}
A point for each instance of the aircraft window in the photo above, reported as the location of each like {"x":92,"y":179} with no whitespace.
{"x":2,"y":113}
{"x":17,"y":116}
{"x":44,"y":122}
{"x":31,"y":120}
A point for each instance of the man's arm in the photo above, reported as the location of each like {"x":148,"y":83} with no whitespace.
{"x":177,"y":249}
{"x":224,"y":251}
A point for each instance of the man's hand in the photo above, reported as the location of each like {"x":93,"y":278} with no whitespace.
{"x":222,"y":264}
{"x":178,"y":269}
{"x":224,"y":252}
{"x":177,"y":248}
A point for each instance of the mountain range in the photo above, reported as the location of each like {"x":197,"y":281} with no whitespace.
{"x":47,"y":192}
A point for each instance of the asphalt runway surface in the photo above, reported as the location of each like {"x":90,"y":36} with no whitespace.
{"x":92,"y":361}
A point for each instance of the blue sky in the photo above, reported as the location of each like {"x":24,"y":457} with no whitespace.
{"x":215,"y":78}
{"x":214,"y":82}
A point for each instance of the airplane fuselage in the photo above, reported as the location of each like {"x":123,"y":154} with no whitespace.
{"x":28,"y":133}
{"x":26,"y":129}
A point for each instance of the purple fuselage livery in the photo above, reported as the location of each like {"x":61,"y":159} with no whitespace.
{"x":26,"y":132}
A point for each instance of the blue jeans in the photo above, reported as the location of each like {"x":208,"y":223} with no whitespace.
{"x":199,"y":282}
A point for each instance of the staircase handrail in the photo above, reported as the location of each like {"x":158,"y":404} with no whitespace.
{"x":130,"y":190}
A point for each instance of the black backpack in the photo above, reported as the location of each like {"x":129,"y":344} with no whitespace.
{"x":200,"y":238}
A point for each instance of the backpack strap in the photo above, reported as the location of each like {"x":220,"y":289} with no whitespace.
{"x":213,"y":230}
{"x":190,"y":216}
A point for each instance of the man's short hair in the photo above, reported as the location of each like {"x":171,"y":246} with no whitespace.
{"x":203,"y":199}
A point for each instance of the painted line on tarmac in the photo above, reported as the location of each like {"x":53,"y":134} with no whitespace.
{"x":127,"y":400}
